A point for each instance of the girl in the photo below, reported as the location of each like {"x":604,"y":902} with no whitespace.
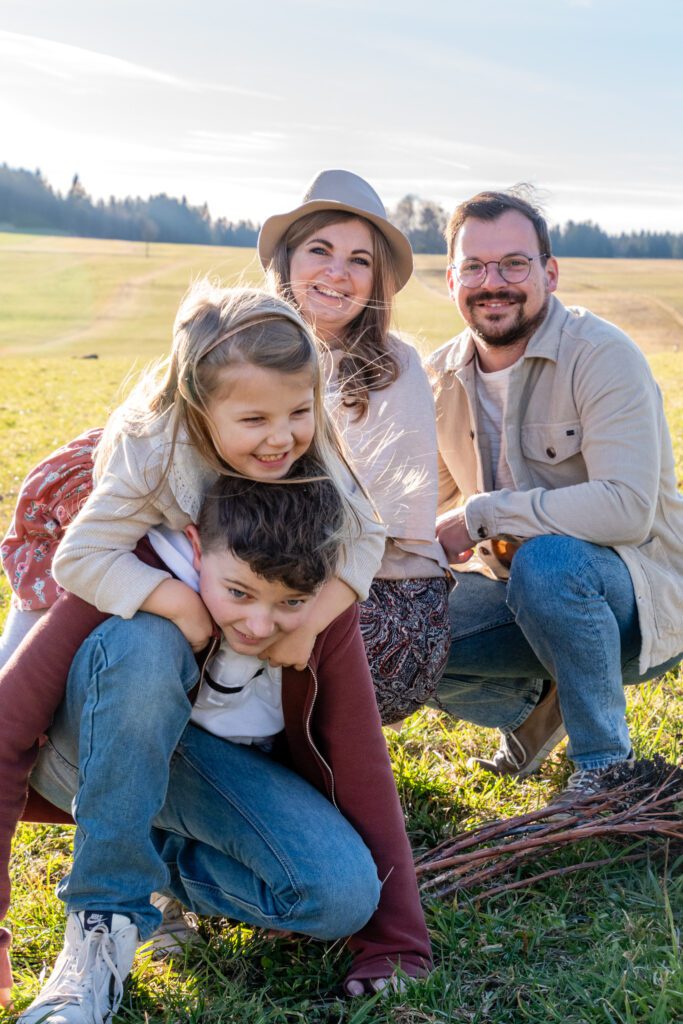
{"x":241,"y":393}
{"x":340,"y":261}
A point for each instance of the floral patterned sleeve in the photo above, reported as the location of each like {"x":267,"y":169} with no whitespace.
{"x":50,"y":497}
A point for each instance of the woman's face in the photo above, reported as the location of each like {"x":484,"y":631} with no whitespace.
{"x":332,"y":274}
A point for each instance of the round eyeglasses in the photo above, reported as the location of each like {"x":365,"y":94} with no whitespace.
{"x":513,"y":268}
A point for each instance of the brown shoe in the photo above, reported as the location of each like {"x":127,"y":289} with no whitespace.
{"x":523,"y":751}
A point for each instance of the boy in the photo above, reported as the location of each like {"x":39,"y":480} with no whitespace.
{"x":278,"y":807}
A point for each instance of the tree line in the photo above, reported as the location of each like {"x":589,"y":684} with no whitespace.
{"x":424,"y":222}
{"x":29,"y":203}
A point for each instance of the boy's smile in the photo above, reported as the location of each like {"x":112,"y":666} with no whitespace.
{"x":251,"y":612}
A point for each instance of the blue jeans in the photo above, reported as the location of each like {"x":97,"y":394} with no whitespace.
{"x":568,"y":613}
{"x":162,"y":805}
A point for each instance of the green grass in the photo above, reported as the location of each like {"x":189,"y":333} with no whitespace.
{"x":601,"y":947}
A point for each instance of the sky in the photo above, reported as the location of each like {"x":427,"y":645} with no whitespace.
{"x":240,"y":104}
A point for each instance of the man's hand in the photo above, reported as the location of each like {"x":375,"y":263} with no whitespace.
{"x":451,"y":532}
{"x":176,"y":601}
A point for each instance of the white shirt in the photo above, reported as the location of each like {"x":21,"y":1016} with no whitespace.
{"x":492,"y":390}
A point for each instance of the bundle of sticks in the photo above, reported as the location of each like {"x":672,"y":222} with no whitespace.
{"x":640,"y":808}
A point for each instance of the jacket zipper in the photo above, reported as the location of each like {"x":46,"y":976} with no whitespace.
{"x":212,"y":650}
{"x":319,"y":756}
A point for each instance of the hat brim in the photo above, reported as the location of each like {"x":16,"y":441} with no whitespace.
{"x":276,"y":226}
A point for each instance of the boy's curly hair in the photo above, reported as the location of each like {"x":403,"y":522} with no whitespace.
{"x":287,"y":531}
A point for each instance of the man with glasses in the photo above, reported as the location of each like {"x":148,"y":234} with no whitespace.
{"x":556,"y":463}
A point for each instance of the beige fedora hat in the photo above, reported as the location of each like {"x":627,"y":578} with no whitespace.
{"x":340,"y":190}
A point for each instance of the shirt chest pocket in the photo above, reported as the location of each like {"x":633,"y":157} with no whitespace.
{"x":551,"y":443}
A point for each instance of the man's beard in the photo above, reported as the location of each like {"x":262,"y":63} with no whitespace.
{"x":521,"y":329}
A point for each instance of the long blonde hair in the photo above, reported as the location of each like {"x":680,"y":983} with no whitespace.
{"x":216,"y":328}
{"x":368,"y":364}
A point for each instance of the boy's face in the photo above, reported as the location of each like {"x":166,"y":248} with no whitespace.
{"x":250,"y":611}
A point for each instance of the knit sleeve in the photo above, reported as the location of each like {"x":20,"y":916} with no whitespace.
{"x":95,"y":560}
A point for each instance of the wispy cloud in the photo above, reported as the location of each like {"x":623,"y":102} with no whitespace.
{"x":73,"y":63}
{"x":222,"y":144}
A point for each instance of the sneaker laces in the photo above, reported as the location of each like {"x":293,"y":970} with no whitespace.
{"x":81,"y":971}
{"x":174,"y":915}
{"x":516,"y":757}
{"x":585,"y":781}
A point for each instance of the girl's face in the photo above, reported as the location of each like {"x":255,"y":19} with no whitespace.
{"x":332,"y":275}
{"x":263,"y":420}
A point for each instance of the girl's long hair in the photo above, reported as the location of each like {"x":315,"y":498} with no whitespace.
{"x":368,"y":364}
{"x":215,"y":329}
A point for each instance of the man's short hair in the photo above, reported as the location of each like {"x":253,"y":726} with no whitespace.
{"x":491,"y":205}
{"x":287,"y":531}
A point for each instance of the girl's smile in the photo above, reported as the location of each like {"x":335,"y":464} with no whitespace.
{"x":263,"y":419}
{"x":332,"y":275}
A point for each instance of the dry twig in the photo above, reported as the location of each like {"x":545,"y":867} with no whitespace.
{"x":642,"y":806}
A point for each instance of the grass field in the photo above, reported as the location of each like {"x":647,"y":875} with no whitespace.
{"x":601,"y":947}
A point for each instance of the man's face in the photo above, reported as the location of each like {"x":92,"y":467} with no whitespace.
{"x":499,"y":313}
{"x":250,"y":611}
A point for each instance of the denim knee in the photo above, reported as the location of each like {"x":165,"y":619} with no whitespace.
{"x":144,"y":651}
{"x":544,"y":571}
{"x":343,"y":898}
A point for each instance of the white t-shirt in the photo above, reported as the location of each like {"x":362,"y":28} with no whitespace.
{"x":492,"y":390}
{"x":240,"y":696}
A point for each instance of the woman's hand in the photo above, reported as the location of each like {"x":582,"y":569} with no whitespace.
{"x":174,"y":600}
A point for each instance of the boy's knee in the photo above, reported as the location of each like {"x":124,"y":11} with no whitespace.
{"x":145,"y":648}
{"x":347,"y":896}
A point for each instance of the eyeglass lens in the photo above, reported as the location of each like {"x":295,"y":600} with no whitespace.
{"x":513,"y":269}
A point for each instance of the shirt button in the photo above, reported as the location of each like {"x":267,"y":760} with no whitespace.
{"x":482,"y":532}
{"x":551,"y":453}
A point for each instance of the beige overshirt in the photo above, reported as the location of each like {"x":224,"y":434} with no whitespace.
{"x":590,"y":454}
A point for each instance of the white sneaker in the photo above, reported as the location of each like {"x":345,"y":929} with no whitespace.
{"x":86,"y":985}
{"x":179,"y":927}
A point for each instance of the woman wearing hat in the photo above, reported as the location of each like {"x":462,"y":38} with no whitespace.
{"x":340,"y":261}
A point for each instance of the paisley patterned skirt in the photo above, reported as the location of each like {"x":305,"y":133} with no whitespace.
{"x":407,"y":635}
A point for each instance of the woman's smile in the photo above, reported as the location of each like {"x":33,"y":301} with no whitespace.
{"x":332,"y":275}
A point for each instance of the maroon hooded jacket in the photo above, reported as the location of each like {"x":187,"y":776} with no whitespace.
{"x":333,"y":739}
